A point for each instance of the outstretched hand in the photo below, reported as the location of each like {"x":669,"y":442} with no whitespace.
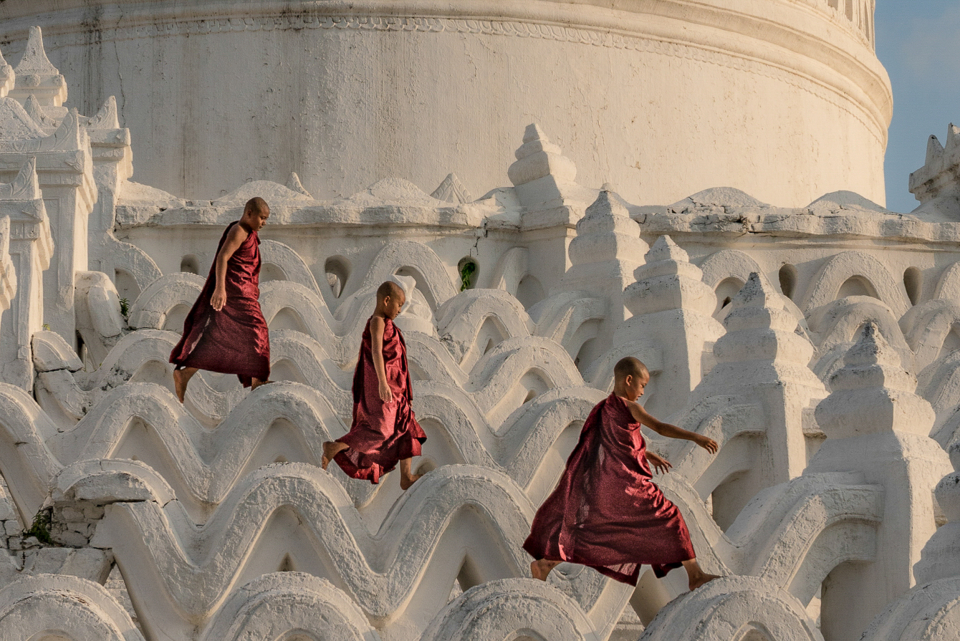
{"x":659,"y":464}
{"x":218,"y":300}
{"x":706,"y":443}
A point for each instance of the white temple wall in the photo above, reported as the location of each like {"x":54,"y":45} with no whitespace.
{"x":212,"y":518}
{"x":809,"y":256}
{"x":315,"y":245}
{"x":659,"y":108}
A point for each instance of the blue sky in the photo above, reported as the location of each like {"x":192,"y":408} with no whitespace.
{"x":918,"y":41}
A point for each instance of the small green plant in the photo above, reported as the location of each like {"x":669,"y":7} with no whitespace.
{"x":466,"y":274}
{"x":46,"y":327}
{"x":125,"y":308}
{"x":41,"y":526}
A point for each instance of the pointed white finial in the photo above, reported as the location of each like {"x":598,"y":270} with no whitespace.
{"x":953,"y":138}
{"x":452,"y":190}
{"x":934,"y":150}
{"x":32,"y":106}
{"x":534,"y":132}
{"x":7,"y":77}
{"x":294,"y":184}
{"x":108,"y":117}
{"x":68,"y":135}
{"x":542,"y":175}
{"x":36,"y":75}
{"x":665,"y":249}
{"x":34,"y":58}
{"x":871,"y":348}
{"x":25,"y":186}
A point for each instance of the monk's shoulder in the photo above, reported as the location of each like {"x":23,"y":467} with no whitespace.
{"x":617,"y":412}
{"x":375,"y":325}
{"x":237,"y":232}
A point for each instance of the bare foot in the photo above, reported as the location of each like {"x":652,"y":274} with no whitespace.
{"x":331,"y":449}
{"x":255,"y":383}
{"x":701,"y":580}
{"x":407,"y":481}
{"x":180,"y":384}
{"x":540,"y":568}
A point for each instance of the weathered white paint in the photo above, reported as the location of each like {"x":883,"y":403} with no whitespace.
{"x":215,"y":511}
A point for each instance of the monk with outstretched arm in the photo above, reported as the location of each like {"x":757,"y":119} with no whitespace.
{"x":606,"y":512}
{"x":385,"y":431}
{"x":225,"y":330}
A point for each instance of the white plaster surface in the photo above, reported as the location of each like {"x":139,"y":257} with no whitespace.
{"x":782,"y":83}
{"x":818,"y":344}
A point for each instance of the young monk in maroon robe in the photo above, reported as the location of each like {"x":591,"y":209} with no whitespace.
{"x":606,"y":512}
{"x":384,"y":430}
{"x":225,"y":331}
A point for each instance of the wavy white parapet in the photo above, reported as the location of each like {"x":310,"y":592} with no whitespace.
{"x":285,"y":420}
{"x":397,"y":575}
{"x":274,"y":606}
{"x":458,"y":522}
{"x":505,"y":608}
{"x":734,"y":608}
{"x":33,"y":607}
{"x":929,"y":612}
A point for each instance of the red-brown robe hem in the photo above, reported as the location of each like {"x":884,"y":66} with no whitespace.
{"x":382,"y":434}
{"x":234,"y":340}
{"x":606,"y":512}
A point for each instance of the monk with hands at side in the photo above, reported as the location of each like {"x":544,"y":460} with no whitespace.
{"x":384,"y":430}
{"x":606,"y":512}
{"x":225,"y":330}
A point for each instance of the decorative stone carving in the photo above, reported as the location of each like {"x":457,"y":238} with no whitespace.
{"x":36,"y":76}
{"x":544,"y":181}
{"x":929,"y":611}
{"x":7,"y":77}
{"x":8,"y":274}
{"x":877,"y":426}
{"x":215,"y":510}
{"x":743,"y":604}
{"x":603,"y":257}
{"x":671,"y":307}
{"x":935,"y":184}
{"x":452,"y":190}
{"x":762,"y":359}
{"x":31,"y":247}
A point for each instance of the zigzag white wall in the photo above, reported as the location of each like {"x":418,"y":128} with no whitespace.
{"x":827,"y":378}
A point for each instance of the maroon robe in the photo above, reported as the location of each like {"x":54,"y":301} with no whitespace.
{"x":234,"y":340}
{"x":382,"y":434}
{"x":606,"y":512}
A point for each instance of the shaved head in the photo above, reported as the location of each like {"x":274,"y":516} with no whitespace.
{"x":256,"y":205}
{"x":391,"y":289}
{"x":629,"y":366}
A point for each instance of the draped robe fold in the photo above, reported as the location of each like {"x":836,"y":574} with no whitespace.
{"x":382,"y":434}
{"x":234,"y":340}
{"x":606,"y":512}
